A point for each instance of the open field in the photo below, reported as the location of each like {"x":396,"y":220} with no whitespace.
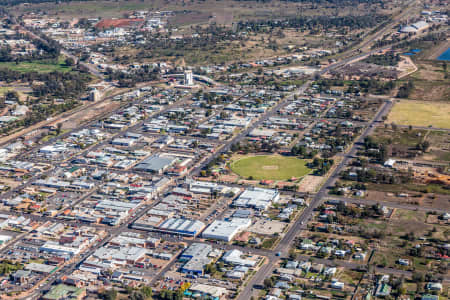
{"x":420,"y":113}
{"x":394,"y":245}
{"x":270,"y":167}
{"x":37,"y":66}
{"x":410,"y":187}
{"x":401,"y":137}
{"x":431,"y":80}
{"x":203,"y":11}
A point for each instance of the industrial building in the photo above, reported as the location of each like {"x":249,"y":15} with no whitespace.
{"x":415,"y":27}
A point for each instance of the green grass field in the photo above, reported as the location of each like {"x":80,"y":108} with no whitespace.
{"x":421,"y":113}
{"x":44,"y":66}
{"x":270,"y":167}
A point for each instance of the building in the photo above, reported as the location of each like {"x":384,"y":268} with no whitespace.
{"x":66,"y":292}
{"x":60,"y":250}
{"x":20,"y":276}
{"x":434,"y":286}
{"x":430,"y":297}
{"x":257,"y":198}
{"x":203,"y":187}
{"x":188,"y":78}
{"x":383,"y":290}
{"x":156,"y":164}
{"x":4,"y":239}
{"x":125,"y":142}
{"x":122,"y":255}
{"x":180,"y":226}
{"x":196,"y":250}
{"x":94,"y":95}
{"x":40,"y":268}
{"x":234,"y":257}
{"x":415,"y":27}
{"x":196,"y":257}
{"x":200,"y":290}
{"x":226,"y":230}
{"x":337,"y":285}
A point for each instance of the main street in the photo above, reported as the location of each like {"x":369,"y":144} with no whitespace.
{"x":287,"y":240}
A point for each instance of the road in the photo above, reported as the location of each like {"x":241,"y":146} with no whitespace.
{"x":92,"y":69}
{"x":288,"y":239}
{"x":256,"y":123}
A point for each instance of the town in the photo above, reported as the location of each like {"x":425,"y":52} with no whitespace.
{"x":224,"y":150}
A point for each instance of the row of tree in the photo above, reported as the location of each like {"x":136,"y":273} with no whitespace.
{"x":56,"y":84}
{"x":315,"y":22}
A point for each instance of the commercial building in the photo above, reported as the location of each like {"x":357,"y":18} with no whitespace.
{"x":234,"y":257}
{"x":226,"y":230}
{"x":40,"y":268}
{"x":196,"y":250}
{"x":123,"y":255}
{"x":66,"y":292}
{"x":54,"y":248}
{"x":156,"y":164}
{"x":257,"y":198}
{"x":203,"y":291}
{"x":181,"y":226}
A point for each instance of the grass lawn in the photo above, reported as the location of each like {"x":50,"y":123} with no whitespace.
{"x":269,"y":243}
{"x":44,"y":66}
{"x":270,"y":167}
{"x":421,"y":113}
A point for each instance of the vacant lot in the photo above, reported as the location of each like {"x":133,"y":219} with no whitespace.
{"x":431,"y":80}
{"x":420,"y":113}
{"x":270,"y":167}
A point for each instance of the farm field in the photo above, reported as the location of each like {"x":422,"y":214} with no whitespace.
{"x":270,"y":167}
{"x":421,"y":113}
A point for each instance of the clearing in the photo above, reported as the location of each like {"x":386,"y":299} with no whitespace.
{"x":270,"y":167}
{"x":421,"y":113}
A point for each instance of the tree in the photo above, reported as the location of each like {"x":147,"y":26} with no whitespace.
{"x":383,"y":153}
{"x":58,"y":128}
{"x":137,"y":295}
{"x":69,"y":62}
{"x":268,"y":283}
{"x":210,"y":269}
{"x":418,"y":277}
{"x":108,"y":294}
